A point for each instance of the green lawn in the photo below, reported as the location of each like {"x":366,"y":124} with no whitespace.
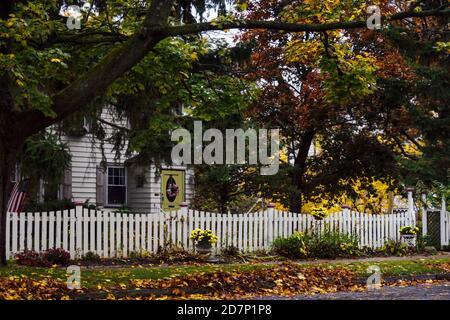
{"x":394,"y":267}
{"x":106,"y":277}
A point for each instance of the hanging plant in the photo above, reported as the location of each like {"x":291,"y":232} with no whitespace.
{"x":44,"y":157}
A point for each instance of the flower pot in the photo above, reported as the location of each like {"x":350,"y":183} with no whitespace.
{"x":410,"y":239}
{"x":203,"y":248}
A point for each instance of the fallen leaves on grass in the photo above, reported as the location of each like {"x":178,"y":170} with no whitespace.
{"x":279,"y":280}
{"x":442,"y":266}
{"x":22,"y":288}
{"x":283,"y":279}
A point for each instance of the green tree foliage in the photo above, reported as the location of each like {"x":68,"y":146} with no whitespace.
{"x":44,"y":157}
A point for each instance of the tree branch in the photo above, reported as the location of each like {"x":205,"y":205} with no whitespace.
{"x":126,"y":55}
{"x":293,"y":27}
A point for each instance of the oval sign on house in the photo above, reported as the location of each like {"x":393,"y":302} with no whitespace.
{"x":172,"y":189}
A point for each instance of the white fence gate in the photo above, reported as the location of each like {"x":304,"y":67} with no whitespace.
{"x":444,"y":223}
{"x":113,"y":234}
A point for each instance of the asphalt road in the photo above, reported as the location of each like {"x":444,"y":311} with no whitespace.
{"x":435,"y":291}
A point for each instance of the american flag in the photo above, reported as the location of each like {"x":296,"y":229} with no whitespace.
{"x":17,"y":196}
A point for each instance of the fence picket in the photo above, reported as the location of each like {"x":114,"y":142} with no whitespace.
{"x":161,"y":225}
{"x":15,"y":221}
{"x":85,"y":231}
{"x":44,"y":238}
{"x":92,"y":219}
{"x":143,"y":235}
{"x":149,"y":232}
{"x":119,"y":234}
{"x":191,"y":225}
{"x":72,"y":234}
{"x":99,"y":222}
{"x":58,"y":241}
{"x":245,"y":232}
{"x":105,"y":234}
{"x":125,"y":235}
{"x":65,"y":230}
{"x":29,"y":227}
{"x":21,"y":231}
{"x":37,"y":229}
{"x":112,"y":246}
{"x":8,"y":235}
{"x":251,"y":228}
{"x":131,"y":233}
{"x":137,"y":232}
{"x":234,"y":235}
{"x":179,"y":228}
{"x":51,"y":230}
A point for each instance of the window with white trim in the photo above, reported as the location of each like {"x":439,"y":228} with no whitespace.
{"x":116,"y":189}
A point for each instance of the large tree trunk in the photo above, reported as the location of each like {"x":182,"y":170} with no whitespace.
{"x":8,"y":154}
{"x":297,"y":176}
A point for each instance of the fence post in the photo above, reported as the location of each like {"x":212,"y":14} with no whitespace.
{"x":410,"y":206}
{"x":183,"y":222}
{"x":442,"y":222}
{"x":424,"y":216}
{"x":270,"y":215}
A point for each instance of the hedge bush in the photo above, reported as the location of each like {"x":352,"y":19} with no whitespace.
{"x":46,"y":259}
{"x":293,"y":247}
{"x":328,"y":245}
{"x":57,"y":256}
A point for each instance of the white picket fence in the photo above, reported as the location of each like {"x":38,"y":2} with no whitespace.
{"x":113,"y":234}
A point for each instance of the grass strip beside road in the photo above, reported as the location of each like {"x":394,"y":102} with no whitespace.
{"x":116,"y":277}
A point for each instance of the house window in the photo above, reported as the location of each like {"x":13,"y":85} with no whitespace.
{"x":117,"y":186}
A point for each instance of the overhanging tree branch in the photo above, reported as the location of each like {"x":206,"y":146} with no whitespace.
{"x":129,"y":53}
{"x":293,"y":27}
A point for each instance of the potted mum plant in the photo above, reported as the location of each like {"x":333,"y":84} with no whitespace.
{"x":409,"y":234}
{"x":203,"y":240}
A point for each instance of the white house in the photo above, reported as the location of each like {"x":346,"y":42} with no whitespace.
{"x":141,"y":187}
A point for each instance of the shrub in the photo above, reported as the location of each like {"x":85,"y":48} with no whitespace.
{"x":230,"y":251}
{"x":423,"y":242}
{"x":171,"y":252}
{"x":49,"y":205}
{"x":293,"y":247}
{"x":56,"y":256}
{"x":395,"y":248}
{"x":328,"y":245}
{"x":123,"y":209}
{"x":30,"y":258}
{"x":91,"y":257}
{"x":140,"y":255}
{"x":332,"y":244}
